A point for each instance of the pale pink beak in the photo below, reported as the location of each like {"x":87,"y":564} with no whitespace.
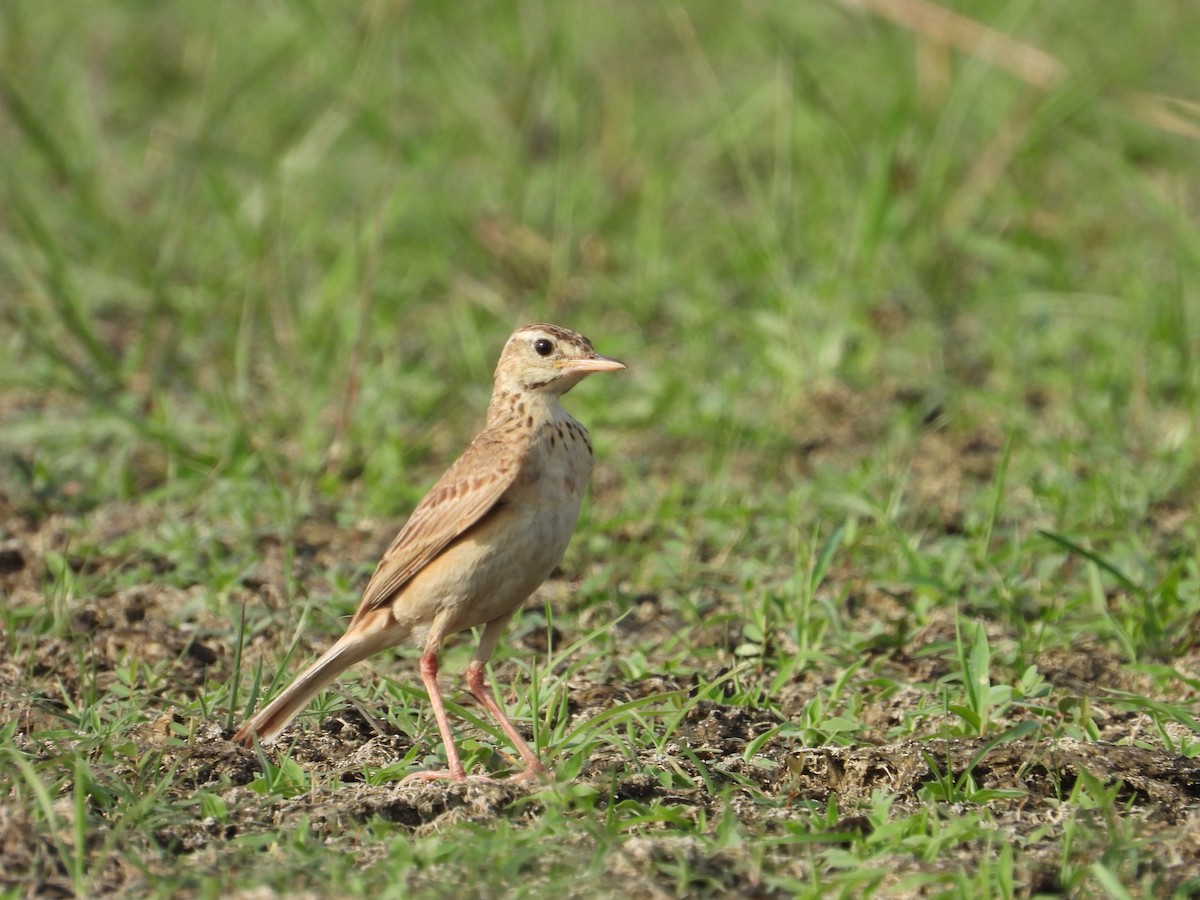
{"x":591,"y":364}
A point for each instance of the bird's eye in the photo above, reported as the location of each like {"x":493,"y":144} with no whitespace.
{"x":543,"y":347}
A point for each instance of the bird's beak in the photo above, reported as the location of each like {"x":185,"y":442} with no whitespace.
{"x":591,"y":364}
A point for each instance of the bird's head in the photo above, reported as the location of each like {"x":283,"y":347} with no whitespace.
{"x":547,"y":358}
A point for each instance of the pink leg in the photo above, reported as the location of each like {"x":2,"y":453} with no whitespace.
{"x":487,"y":643}
{"x":533,"y":765}
{"x":455,"y":772}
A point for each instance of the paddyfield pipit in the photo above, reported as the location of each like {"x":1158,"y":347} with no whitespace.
{"x":481,"y":541}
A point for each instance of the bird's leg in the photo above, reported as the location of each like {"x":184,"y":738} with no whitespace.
{"x":429,"y":671}
{"x":475,"y":681}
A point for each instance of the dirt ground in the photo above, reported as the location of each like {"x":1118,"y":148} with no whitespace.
{"x":1159,"y":792}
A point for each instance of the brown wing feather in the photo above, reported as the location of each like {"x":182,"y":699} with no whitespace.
{"x":459,"y":499}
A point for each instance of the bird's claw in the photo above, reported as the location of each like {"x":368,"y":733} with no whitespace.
{"x":435,"y":775}
{"x":526,"y":775}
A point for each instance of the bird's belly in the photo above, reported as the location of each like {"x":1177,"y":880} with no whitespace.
{"x":490,"y":571}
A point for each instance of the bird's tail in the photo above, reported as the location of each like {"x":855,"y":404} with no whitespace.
{"x":352,"y":647}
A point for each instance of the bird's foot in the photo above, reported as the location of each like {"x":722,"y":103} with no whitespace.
{"x":526,"y":775}
{"x":532,"y":773}
{"x":434,"y":775}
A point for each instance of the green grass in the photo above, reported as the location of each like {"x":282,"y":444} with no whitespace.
{"x":907,"y":448}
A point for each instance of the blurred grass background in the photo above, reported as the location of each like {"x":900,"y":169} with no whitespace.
{"x":291,"y":236}
{"x":928,"y":281}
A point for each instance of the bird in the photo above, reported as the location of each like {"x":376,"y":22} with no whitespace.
{"x":483,"y":539}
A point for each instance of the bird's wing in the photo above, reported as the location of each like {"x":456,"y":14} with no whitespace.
{"x":464,"y":495}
